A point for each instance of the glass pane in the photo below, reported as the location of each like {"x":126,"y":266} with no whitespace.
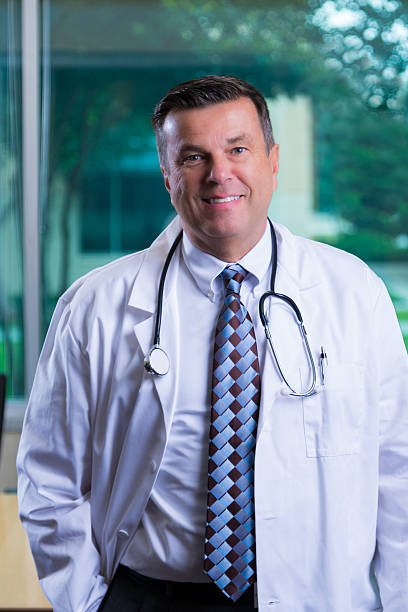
{"x":11,"y":267}
{"x":333,"y":80}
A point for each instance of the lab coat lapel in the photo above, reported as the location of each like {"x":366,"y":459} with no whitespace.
{"x":143,"y":302}
{"x":297,"y":277}
{"x":299,"y":273}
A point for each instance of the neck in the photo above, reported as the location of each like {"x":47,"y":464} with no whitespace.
{"x":229,"y":250}
{"x":226,"y":253}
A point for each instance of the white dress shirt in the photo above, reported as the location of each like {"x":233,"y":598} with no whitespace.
{"x":169,"y":542}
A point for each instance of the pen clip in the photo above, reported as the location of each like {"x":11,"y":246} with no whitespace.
{"x":323,"y":363}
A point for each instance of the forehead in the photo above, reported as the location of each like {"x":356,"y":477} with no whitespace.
{"x":222,"y":122}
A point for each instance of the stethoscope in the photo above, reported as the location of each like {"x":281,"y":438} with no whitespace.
{"x":157,"y":361}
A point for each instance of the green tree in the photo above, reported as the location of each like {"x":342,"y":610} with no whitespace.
{"x":347,"y":55}
{"x":367,"y":41}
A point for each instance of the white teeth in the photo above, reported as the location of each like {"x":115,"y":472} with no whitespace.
{"x":220,"y":200}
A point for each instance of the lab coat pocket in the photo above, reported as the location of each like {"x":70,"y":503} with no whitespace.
{"x":333,"y":417}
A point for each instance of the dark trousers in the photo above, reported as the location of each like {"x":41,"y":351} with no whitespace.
{"x":131,"y":592}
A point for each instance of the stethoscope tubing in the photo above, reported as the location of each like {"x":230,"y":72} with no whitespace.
{"x":292,"y":304}
{"x":156,"y":337}
{"x":158,"y":354}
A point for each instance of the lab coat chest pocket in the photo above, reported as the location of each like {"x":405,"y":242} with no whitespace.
{"x":333,"y":417}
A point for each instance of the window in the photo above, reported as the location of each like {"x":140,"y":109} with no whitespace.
{"x":11,"y":264}
{"x":335,"y":81}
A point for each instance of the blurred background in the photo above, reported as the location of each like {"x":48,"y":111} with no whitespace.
{"x":80,"y":182}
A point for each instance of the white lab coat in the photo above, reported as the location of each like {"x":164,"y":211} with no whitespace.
{"x":331,"y":472}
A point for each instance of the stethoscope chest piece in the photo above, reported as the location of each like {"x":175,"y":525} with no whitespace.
{"x":157,"y":361}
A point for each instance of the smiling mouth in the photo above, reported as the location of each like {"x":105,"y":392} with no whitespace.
{"x":222,"y":200}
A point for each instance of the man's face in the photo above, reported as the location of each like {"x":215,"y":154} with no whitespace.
{"x":219,"y":176}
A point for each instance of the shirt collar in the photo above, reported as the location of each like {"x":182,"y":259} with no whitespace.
{"x":204,"y":268}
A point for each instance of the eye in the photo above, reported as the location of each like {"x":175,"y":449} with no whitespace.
{"x":192,"y":158}
{"x":238,"y":150}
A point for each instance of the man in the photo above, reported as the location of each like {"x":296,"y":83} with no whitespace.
{"x":145,"y":478}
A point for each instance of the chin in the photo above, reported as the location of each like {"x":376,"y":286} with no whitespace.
{"x":226,"y":228}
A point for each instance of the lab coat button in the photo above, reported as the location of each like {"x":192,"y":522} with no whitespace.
{"x":122,"y":533}
{"x":153,"y":466}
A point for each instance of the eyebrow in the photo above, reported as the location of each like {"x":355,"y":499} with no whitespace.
{"x":190,"y":147}
{"x":240,"y":138}
{"x":230,"y":141}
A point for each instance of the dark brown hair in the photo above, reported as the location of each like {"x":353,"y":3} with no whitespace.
{"x":205,"y":91}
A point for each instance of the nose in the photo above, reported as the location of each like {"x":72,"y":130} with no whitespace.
{"x":219,"y":170}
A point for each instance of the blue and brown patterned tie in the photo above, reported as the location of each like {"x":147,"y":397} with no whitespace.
{"x":229,"y":557}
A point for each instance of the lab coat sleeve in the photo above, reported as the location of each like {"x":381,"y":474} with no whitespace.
{"x":54,"y":466}
{"x":391,"y":558}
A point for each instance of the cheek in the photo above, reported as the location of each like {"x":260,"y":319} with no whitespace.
{"x":268,"y":187}
{"x":180,"y":189}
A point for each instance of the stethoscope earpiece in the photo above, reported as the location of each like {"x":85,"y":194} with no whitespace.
{"x":286,"y":392}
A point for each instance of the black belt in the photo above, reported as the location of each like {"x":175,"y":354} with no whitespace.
{"x":194,"y":592}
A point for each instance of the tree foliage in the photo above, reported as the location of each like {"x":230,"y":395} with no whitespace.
{"x":366,"y":40}
{"x":349,"y":56}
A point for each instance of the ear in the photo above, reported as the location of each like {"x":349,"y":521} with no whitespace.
{"x":274,"y":164}
{"x":274,"y":159}
{"x":165,"y":177}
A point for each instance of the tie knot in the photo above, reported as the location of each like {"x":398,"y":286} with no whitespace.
{"x":233,"y":276}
